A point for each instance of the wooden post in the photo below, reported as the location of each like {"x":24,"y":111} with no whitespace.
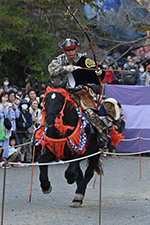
{"x":3,"y":198}
{"x":100,"y":189}
{"x":139,"y":154}
{"x":94,"y":180}
{"x":32,"y":174}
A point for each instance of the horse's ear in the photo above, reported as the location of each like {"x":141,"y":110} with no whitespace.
{"x":48,"y":84}
{"x":61,"y":85}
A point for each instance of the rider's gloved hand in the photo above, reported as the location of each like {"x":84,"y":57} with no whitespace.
{"x":69,"y":68}
{"x":98,"y":72}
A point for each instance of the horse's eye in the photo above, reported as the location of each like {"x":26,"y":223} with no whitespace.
{"x":53,"y":96}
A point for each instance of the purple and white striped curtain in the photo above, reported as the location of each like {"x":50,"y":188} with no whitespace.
{"x":135,"y":101}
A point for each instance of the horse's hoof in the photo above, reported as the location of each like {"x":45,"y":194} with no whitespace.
{"x":47,"y":191}
{"x":77,"y":201}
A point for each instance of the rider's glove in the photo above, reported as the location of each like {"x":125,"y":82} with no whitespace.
{"x":69,"y":68}
{"x":98,"y":72}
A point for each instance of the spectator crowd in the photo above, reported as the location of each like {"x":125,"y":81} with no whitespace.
{"x":20,"y":115}
{"x":132,"y":70}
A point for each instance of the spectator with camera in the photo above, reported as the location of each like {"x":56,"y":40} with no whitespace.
{"x":11,"y":99}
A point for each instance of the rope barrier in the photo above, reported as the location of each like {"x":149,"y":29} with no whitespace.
{"x":82,"y":158}
{"x":74,"y":160}
{"x":127,"y":154}
{"x":27,"y":143}
{"x":131,"y":139}
{"x":55,"y":163}
{"x":146,"y":139}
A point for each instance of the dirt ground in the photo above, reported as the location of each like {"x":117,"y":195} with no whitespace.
{"x":125,"y":197}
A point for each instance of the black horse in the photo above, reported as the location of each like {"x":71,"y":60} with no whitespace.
{"x":54,"y":103}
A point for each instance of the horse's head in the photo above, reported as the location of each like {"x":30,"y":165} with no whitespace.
{"x":54,"y":102}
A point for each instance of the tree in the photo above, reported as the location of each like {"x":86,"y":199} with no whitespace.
{"x":30,"y":31}
{"x":121,"y":26}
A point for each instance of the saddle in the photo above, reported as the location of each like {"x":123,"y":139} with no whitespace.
{"x":84,"y":97}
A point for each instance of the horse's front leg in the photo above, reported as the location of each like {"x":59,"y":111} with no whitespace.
{"x":45,"y":157}
{"x":71,"y":174}
{"x":81,"y":186}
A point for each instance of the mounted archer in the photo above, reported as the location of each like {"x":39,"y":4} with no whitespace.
{"x":64,"y":68}
{"x":65,"y":64}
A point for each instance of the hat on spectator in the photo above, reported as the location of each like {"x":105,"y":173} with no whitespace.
{"x":148,"y":67}
{"x":5,"y":78}
{"x":24,"y":101}
{"x":69,"y":43}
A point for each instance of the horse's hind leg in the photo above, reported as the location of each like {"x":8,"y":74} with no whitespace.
{"x":46,"y":157}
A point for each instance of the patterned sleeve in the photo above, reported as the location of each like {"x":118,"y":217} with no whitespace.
{"x":56,"y":66}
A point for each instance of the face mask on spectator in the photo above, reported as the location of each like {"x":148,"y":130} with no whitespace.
{"x":24,"y":106}
{"x":104,"y":66}
{"x":6,"y":83}
{"x":141,"y":70}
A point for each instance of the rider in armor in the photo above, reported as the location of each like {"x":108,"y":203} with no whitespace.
{"x":80,"y":74}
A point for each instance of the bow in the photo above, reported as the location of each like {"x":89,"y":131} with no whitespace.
{"x":90,"y":43}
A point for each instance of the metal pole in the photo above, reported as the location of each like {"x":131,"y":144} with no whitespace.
{"x":3,"y":198}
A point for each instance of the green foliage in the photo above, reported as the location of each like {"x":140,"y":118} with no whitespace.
{"x":30,"y":31}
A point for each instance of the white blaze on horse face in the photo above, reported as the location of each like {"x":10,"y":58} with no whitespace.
{"x":53,"y":96}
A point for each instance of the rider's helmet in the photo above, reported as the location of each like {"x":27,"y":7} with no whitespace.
{"x":69,"y":43}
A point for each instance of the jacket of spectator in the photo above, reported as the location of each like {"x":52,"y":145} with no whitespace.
{"x":11,"y":98}
{"x":36,"y":115}
{"x":146,"y":76}
{"x":136,"y":74}
{"x":108,"y":78}
{"x":24,"y":118}
{"x":5,"y":112}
